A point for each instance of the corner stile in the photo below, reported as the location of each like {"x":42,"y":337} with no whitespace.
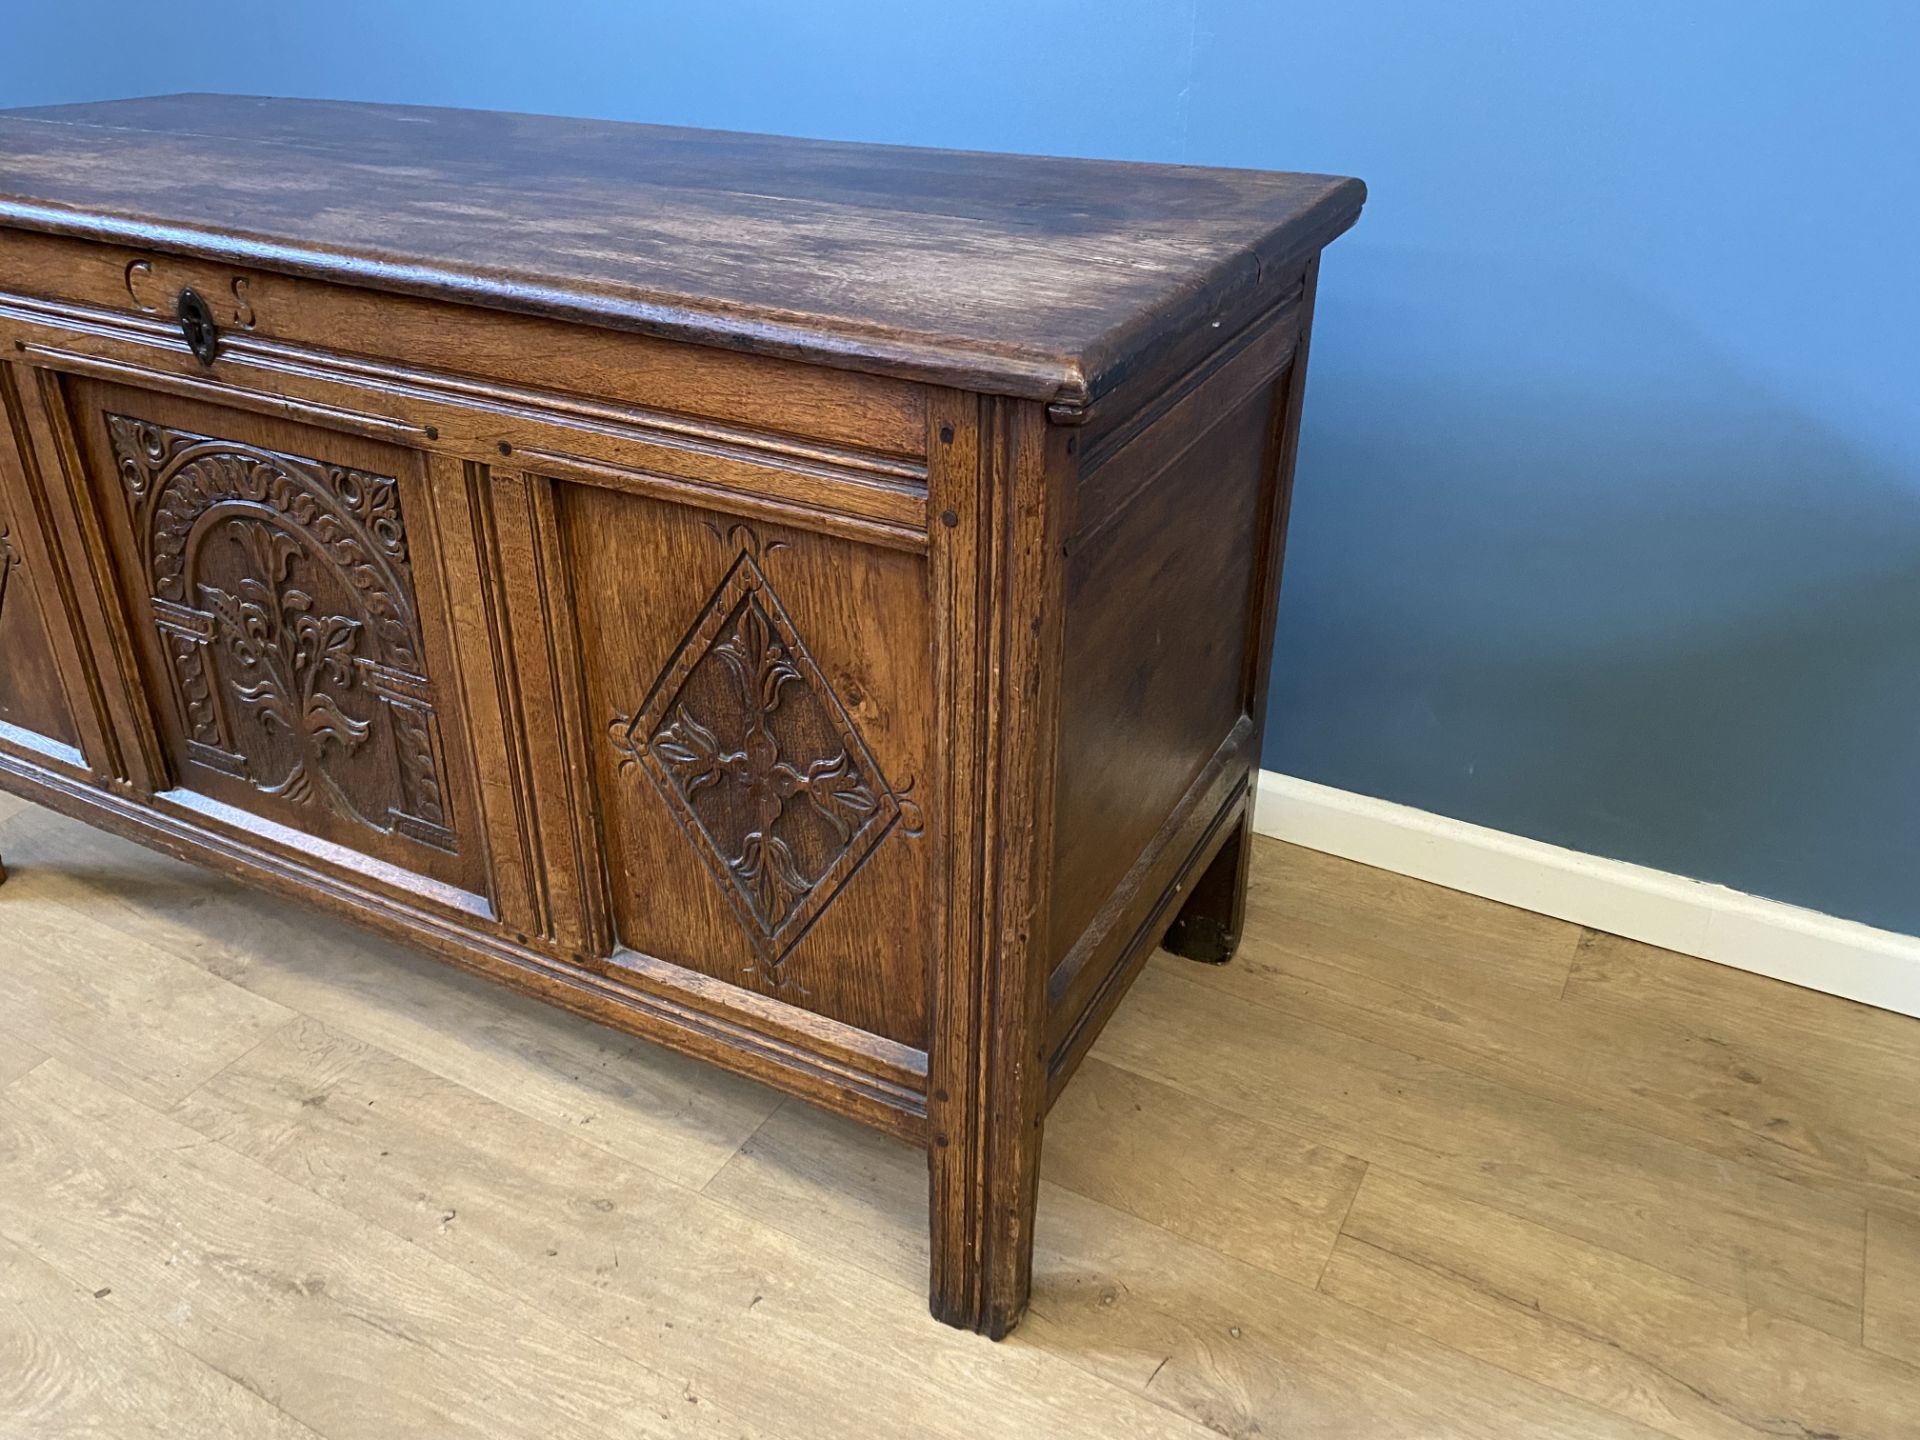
{"x":996,"y":502}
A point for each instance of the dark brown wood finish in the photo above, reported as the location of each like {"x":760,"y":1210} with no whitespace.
{"x":1077,"y":273}
{"x":807,"y":604}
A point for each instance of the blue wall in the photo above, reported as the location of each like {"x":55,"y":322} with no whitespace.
{"x":1608,"y":523}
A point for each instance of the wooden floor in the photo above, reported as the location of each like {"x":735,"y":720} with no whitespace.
{"x":1414,"y":1165}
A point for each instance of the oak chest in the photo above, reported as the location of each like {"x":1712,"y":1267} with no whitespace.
{"x":807,"y":604}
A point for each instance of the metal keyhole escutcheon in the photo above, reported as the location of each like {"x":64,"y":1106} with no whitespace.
{"x":196,"y":324}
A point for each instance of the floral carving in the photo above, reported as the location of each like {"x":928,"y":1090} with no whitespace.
{"x":289,"y":663}
{"x":751,"y":749}
{"x":283,"y":598}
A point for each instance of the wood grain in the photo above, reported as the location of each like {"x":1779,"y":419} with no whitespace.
{"x":150,"y":1024}
{"x":1487,"y":1279}
{"x":72,"y":1365}
{"x":1154,"y":656}
{"x":1241,"y":1186}
{"x":672,"y":1278}
{"x":31,"y":701}
{"x":998,"y":627}
{"x":1304,"y":910}
{"x":1050,"y":279}
{"x":1581,"y":1170}
{"x":1233,"y":1347}
{"x":1811,"y":1088}
{"x":855,"y":628}
{"x":296,"y":1298}
{"x":16,"y":1058}
{"x":387,"y":544}
{"x":305,"y":336}
{"x":1721,"y":1079}
{"x":56,"y":719}
{"x":650,"y":1106}
{"x":1893,"y":1286}
{"x":1593,"y":1323}
{"x":376,"y":767}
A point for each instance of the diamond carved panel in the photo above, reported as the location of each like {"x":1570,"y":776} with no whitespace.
{"x":745,"y":740}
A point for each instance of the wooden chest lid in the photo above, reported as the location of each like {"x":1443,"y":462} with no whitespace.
{"x":1048,"y":279}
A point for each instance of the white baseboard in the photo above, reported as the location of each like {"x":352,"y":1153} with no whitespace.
{"x":1803,"y":947}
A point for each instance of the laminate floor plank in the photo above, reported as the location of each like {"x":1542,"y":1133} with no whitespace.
{"x":1632,"y":1338}
{"x":75,"y":1368}
{"x":1244,"y":1187}
{"x":1807,"y":1082}
{"x":1848,"y":1037}
{"x":1234,"y":1346}
{"x":131,"y":1013}
{"x":1414,"y":1165}
{"x":1743,"y":1231}
{"x":672,"y":1114}
{"x":348,"y":1329}
{"x":16,"y":1058}
{"x":1806,"y":1086}
{"x":695,"y":1289}
{"x":1893,"y":1289}
{"x":1681,"y":1071}
{"x":1375,"y":924}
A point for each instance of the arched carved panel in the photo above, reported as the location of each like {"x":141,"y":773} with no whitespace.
{"x":283,"y":598}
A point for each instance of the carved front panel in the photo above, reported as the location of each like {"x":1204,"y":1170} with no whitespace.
{"x":282,"y":597}
{"x":272,"y":577}
{"x":762,"y":712}
{"x":760,"y":763}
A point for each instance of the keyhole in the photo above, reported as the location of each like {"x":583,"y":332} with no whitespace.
{"x":196,"y":325}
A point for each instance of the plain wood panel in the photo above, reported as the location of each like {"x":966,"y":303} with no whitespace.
{"x":30,"y":693}
{"x":763,"y":401}
{"x":1581,"y":1170}
{"x":1684,"y":1359}
{"x":352,"y":1330}
{"x":73,"y":1366}
{"x":644,"y":1103}
{"x":722,"y":1303}
{"x":1154,"y":656}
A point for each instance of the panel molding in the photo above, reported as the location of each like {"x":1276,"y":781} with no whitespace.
{"x":621,"y":444}
{"x":1713,"y":922}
